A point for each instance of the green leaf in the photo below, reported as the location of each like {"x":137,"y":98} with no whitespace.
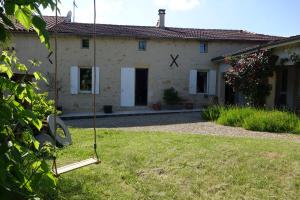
{"x":35,"y":62}
{"x":37,"y":75}
{"x":3,"y":33}
{"x":36,"y":164}
{"x":21,"y":67}
{"x":7,"y":70}
{"x":3,"y":68}
{"x":37,"y":123}
{"x":36,"y":144}
{"x":39,"y":26}
{"x":23,"y":15}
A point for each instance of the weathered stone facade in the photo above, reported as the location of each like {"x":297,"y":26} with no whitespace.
{"x":114,"y":53}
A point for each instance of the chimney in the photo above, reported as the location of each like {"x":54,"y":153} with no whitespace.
{"x":161,"y":13}
{"x":69,"y":17}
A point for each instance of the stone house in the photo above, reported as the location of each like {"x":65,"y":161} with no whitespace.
{"x":134,"y":63}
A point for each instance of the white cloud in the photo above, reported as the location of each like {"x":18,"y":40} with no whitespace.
{"x":178,"y":5}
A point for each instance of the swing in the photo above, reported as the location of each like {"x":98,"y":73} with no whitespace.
{"x":95,"y":160}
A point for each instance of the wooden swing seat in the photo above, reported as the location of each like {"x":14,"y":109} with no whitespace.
{"x":76,"y":165}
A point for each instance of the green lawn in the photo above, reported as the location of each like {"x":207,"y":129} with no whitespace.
{"x":176,"y":166}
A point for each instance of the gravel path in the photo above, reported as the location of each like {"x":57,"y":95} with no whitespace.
{"x":180,"y":123}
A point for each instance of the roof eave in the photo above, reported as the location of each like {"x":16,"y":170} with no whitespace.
{"x":267,"y":46}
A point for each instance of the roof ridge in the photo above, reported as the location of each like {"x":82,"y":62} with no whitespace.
{"x":167,"y":27}
{"x":119,"y":30}
{"x":172,"y":27}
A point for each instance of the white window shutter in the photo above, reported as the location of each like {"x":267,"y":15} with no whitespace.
{"x":193,"y":82}
{"x":97,"y":80}
{"x":74,"y":79}
{"x":212,"y":82}
{"x":127,"y":86}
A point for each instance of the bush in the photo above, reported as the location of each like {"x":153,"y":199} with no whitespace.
{"x":171,"y":96}
{"x":297,"y":129}
{"x":235,"y":116}
{"x":249,"y":75}
{"x":272,"y":121}
{"x":212,"y":113}
{"x":254,"y":119}
{"x":24,"y":170}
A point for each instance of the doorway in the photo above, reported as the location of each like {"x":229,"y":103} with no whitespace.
{"x":141,"y":87}
{"x":229,"y":95}
{"x":281,"y":87}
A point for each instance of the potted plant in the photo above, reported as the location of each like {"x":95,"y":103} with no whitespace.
{"x":156,"y":106}
{"x":171,"y":96}
{"x":107,"y":109}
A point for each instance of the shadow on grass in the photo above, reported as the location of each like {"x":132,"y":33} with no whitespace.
{"x":68,"y":187}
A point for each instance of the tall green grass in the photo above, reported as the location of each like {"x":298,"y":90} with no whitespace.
{"x":272,"y":121}
{"x":254,"y":119}
{"x":212,"y":113}
{"x":235,"y":116}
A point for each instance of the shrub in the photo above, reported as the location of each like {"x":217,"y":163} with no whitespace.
{"x":235,"y":116}
{"x":272,"y":121}
{"x":24,"y":170}
{"x":254,"y":119}
{"x":249,"y":75}
{"x":212,"y":113}
{"x":171,"y":96}
{"x":297,"y":129}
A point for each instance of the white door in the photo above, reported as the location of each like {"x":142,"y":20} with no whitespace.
{"x":127,"y":86}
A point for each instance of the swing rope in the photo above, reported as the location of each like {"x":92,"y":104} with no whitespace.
{"x":54,"y":166}
{"x":94,"y":96}
{"x":96,"y":159}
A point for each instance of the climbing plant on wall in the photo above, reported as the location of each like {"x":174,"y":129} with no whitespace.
{"x":249,"y":75}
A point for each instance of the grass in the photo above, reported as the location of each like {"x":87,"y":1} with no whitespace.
{"x":139,"y":165}
{"x":254,"y":119}
{"x":274,"y":121}
{"x":235,"y":116}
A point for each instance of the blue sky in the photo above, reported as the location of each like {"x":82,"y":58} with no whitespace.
{"x":275,"y":17}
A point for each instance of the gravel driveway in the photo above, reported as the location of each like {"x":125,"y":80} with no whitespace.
{"x":180,"y":123}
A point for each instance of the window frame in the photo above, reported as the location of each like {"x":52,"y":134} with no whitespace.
{"x":145,"y":41}
{"x":79,"y":88}
{"x":205,"y":50}
{"x":83,"y":39}
{"x":207,"y":82}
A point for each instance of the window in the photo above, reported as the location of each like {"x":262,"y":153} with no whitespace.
{"x":202,"y":82}
{"x":85,"y":43}
{"x":203,"y":47}
{"x":142,"y":45}
{"x":85,"y":79}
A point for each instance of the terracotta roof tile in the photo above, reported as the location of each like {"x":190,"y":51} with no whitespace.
{"x":251,"y":49}
{"x":86,"y":29}
{"x":50,"y":21}
{"x":155,"y":32}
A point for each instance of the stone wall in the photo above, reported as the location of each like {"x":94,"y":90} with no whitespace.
{"x":113,"y":54}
